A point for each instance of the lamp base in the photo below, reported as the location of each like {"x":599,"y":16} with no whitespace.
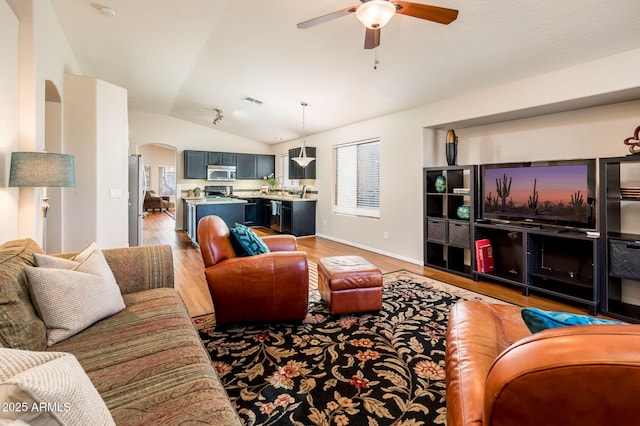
{"x":45,"y":209}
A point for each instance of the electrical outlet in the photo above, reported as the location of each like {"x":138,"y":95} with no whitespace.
{"x":386,"y":235}
{"x":115,"y":193}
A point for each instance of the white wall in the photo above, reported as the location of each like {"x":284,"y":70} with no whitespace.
{"x":9,"y":125}
{"x":586,"y":133}
{"x":414,"y":139}
{"x":96,"y":133}
{"x":43,"y":54}
{"x":400,"y":196}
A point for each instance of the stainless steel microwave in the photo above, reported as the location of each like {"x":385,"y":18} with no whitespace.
{"x":221,"y":173}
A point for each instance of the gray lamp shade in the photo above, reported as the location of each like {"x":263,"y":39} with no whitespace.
{"x":41,"y":169}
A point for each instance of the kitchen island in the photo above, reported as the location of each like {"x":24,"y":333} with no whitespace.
{"x":288,"y":214}
{"x":231,"y":210}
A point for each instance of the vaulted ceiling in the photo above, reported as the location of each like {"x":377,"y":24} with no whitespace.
{"x":185,"y":58}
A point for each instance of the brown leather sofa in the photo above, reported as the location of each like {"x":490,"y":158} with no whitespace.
{"x":155,"y":202}
{"x":499,"y":374}
{"x":272,"y":286}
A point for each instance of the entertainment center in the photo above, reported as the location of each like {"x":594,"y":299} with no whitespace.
{"x":540,"y":220}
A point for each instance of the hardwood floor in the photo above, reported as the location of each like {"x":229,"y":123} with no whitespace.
{"x":159,"y":228}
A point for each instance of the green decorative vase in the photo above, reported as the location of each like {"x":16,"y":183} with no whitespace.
{"x":464,"y":212}
{"x":441,"y":184}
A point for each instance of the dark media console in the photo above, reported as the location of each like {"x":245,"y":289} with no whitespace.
{"x":551,"y":244}
{"x":554,"y":262}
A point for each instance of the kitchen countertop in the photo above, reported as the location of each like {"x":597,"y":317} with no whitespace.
{"x":216,"y":200}
{"x":278,"y":197}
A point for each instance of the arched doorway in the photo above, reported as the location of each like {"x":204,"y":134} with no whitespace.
{"x":160,"y":163}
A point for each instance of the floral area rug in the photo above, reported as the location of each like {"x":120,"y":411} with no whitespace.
{"x":380,"y":368}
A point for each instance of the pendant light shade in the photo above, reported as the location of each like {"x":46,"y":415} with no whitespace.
{"x":302,"y":159}
{"x":375,"y":14}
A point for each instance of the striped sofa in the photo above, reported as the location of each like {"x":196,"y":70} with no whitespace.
{"x":147,"y":361}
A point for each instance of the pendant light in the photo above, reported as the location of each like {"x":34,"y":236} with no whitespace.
{"x":302,"y":159}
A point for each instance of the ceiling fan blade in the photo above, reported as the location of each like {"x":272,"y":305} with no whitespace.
{"x":437,"y":14}
{"x":371,"y":38}
{"x":326,"y":18}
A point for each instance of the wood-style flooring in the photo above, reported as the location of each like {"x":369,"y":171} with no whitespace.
{"x":159,"y":228}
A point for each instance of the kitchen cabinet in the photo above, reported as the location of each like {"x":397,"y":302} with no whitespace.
{"x":221,"y":158}
{"x":265,"y":165}
{"x":254,"y":166}
{"x":295,"y":216}
{"x":195,"y":164}
{"x":252,"y":212}
{"x":246,"y":166}
{"x":265,"y":213}
{"x":298,"y":218}
{"x":231,"y":213}
{"x":298,"y":172}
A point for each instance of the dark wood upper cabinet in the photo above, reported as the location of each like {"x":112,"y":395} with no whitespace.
{"x":249,"y":166}
{"x":265,"y":165}
{"x":246,"y":164}
{"x":195,"y":164}
{"x":221,"y":158}
{"x":297,"y":172}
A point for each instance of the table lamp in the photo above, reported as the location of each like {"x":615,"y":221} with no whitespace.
{"x":42,"y":169}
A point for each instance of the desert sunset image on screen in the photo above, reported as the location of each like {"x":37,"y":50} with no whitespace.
{"x":550,"y":193}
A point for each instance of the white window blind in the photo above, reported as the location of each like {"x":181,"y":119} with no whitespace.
{"x":356,"y":189}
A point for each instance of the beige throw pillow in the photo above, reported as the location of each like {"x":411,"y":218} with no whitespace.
{"x":72,"y":294}
{"x":48,"y":388}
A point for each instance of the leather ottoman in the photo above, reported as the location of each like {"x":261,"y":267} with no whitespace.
{"x":349,"y":284}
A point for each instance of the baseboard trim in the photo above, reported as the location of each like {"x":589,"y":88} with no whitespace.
{"x":363,"y":247}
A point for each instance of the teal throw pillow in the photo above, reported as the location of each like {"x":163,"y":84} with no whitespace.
{"x":245,"y":242}
{"x":538,"y":320}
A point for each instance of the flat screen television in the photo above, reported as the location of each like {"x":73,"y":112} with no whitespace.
{"x":557,"y":193}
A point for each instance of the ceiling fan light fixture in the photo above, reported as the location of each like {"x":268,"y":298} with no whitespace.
{"x":375,"y":14}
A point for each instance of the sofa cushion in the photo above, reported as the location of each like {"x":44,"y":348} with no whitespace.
{"x":538,"y":320}
{"x":72,"y":294}
{"x":245,"y":242}
{"x":42,"y":388}
{"x":149,"y":365}
{"x":20,"y":326}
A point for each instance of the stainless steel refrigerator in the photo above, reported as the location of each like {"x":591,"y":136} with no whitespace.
{"x":137,"y":187}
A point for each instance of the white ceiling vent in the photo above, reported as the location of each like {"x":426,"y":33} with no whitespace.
{"x":252,"y":100}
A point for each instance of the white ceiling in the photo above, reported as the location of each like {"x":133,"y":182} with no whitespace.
{"x":184,"y":58}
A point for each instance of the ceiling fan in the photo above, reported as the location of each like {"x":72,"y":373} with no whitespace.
{"x":375,"y":14}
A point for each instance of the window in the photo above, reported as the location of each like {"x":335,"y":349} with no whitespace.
{"x":282,"y":170}
{"x":356,"y":185}
{"x":167,"y":180}
{"x":147,"y":178}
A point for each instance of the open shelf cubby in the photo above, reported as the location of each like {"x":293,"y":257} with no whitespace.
{"x":447,"y":237}
{"x":620,"y":250}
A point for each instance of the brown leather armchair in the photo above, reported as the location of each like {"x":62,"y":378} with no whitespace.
{"x":272,"y":286}
{"x":500,"y":374}
{"x":153,"y":201}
